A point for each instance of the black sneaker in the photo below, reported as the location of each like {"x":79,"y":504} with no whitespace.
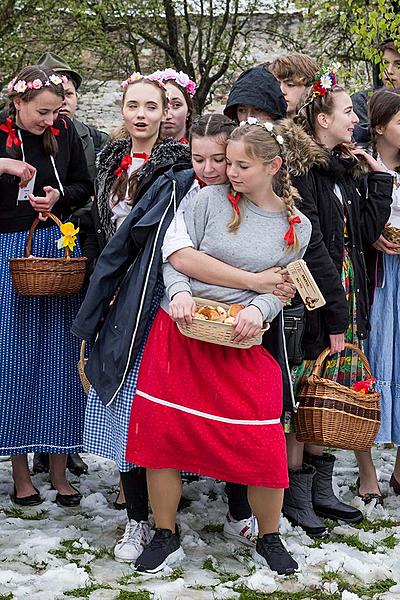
{"x":164,"y":549}
{"x":272,"y":553}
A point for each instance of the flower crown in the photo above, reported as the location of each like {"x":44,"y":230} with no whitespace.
{"x":322,"y":84}
{"x":180,"y":78}
{"x":268,"y":126}
{"x":136,"y":76}
{"x":21,"y":85}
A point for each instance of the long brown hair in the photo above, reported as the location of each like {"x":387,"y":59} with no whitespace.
{"x":384,"y":104}
{"x":125,"y":186}
{"x":29,"y":74}
{"x":260,"y":144}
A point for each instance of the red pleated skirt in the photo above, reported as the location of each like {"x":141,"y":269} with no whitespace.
{"x":208,"y":409}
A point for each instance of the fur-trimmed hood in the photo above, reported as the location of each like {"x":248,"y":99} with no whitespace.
{"x":165,"y":154}
{"x":303,"y":153}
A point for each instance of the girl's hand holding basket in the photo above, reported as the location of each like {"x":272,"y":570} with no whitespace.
{"x":182,"y":308}
{"x":248,"y":324}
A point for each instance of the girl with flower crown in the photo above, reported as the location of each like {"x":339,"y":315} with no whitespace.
{"x":180,"y":89}
{"x":347,"y":212}
{"x":42,"y":169}
{"x":211,"y":395}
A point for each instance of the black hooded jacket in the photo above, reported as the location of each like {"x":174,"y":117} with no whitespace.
{"x":366,"y":203}
{"x":259,"y":88}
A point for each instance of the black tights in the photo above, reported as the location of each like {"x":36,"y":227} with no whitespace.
{"x":137,"y":500}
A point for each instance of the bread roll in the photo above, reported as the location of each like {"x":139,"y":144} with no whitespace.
{"x":234,"y":309}
{"x":229,"y":320}
{"x":211,"y":313}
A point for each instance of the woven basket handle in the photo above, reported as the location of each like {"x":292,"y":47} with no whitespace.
{"x":35,"y":223}
{"x":82,"y":352}
{"x":321,"y":359}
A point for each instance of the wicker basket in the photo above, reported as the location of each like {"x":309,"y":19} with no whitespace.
{"x":392,"y":234}
{"x":34,"y":276}
{"x":333,"y":415}
{"x":215,"y":332}
{"x":81,"y":368}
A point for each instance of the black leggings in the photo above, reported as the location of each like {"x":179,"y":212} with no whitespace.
{"x":137,"y":500}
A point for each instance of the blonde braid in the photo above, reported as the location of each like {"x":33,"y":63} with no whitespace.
{"x":289,"y":196}
{"x":236,"y":219}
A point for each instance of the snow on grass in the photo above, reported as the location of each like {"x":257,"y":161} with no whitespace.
{"x":53,"y":553}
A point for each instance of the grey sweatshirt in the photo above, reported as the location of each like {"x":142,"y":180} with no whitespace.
{"x":257,"y":245}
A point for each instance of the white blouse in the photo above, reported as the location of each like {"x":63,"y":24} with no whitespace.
{"x":122,"y":209}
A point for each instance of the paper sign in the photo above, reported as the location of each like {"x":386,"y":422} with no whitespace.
{"x":25,"y":191}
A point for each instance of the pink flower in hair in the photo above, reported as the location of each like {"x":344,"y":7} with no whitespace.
{"x":191,"y":88}
{"x":10,"y":86}
{"x":37,"y":84}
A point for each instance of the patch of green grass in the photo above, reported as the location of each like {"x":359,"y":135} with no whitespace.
{"x":9,"y":596}
{"x":198,"y":586}
{"x":248,"y":594}
{"x":390,"y":541}
{"x":349,"y":540}
{"x":18,"y":513}
{"x":69,"y":548}
{"x":214,"y":528}
{"x":375,"y":526}
{"x":125,"y":579}
{"x":87,"y":590}
{"x":363,"y":591}
{"x":176,"y":574}
{"x":139,"y":595}
{"x":209,"y":565}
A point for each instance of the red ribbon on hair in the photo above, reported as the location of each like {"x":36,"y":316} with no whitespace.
{"x":55,"y":131}
{"x":289,"y":235}
{"x":183,"y":140}
{"x":12,"y":137}
{"x":234,"y":201}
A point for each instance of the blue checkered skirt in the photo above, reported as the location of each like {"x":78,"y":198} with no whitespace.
{"x":106,"y":427}
{"x":42,"y":402}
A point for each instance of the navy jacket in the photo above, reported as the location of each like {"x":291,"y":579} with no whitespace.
{"x":128,"y":268}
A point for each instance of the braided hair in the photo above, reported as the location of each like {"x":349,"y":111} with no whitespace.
{"x":30,"y":74}
{"x":260,"y":144}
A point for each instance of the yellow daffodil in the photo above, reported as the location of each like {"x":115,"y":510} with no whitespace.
{"x":68,"y":239}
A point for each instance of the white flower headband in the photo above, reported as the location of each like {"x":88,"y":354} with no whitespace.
{"x":180,"y":78}
{"x":268,"y":126}
{"x":138,"y":76}
{"x":21,"y":85}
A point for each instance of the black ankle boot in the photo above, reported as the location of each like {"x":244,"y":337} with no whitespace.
{"x":297,"y":503}
{"x":325,"y":503}
{"x":76,"y":465}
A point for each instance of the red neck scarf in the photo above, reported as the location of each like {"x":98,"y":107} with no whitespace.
{"x":12,"y":137}
{"x":234,"y":200}
{"x":127,"y":161}
{"x":289,"y":235}
{"x":201,"y":182}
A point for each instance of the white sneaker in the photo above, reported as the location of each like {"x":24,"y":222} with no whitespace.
{"x":136,"y":537}
{"x":244,"y":531}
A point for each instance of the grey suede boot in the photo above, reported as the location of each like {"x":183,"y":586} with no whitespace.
{"x":297,"y":503}
{"x":325,"y":503}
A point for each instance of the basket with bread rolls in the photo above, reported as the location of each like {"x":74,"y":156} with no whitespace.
{"x":213,"y":322}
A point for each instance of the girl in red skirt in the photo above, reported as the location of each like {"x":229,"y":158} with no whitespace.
{"x":212,"y":409}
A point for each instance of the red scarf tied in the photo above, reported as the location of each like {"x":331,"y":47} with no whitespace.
{"x":289,"y":235}
{"x":127,"y":161}
{"x":12,"y":137}
{"x":234,"y":200}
